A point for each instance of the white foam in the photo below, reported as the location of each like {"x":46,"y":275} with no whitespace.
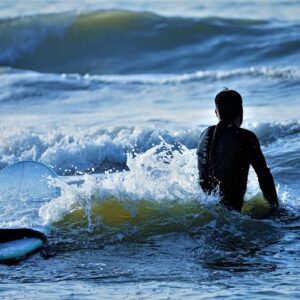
{"x":159,"y":174}
{"x":82,"y":149}
{"x":287,"y":72}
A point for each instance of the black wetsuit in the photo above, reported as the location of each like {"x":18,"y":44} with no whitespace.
{"x":225,"y":153}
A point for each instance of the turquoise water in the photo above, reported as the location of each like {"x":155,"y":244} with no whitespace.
{"x":114,"y":96}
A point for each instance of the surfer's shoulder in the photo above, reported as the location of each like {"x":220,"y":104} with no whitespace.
{"x":248,"y":135}
{"x":247,"y":132}
{"x":204,"y":137}
{"x":208,"y":129}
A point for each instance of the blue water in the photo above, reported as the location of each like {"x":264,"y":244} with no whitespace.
{"x":114,"y":96}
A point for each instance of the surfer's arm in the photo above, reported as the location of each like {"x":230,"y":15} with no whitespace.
{"x":265,"y":178}
{"x":202,"y":158}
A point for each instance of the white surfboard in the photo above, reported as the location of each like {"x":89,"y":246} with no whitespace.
{"x":27,"y":179}
{"x":18,"y":249}
{"x":24,"y":187}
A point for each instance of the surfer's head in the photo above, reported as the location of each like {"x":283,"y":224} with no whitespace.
{"x":229,"y":106}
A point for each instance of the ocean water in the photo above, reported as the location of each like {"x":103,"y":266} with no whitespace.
{"x":113,"y":95}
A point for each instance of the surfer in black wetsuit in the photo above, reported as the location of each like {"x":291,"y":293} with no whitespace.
{"x":225,"y":153}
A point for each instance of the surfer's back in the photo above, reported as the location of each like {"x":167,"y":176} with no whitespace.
{"x":225,"y":153}
{"x":224,"y":163}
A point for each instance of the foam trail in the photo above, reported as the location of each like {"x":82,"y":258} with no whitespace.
{"x":16,"y":79}
{"x":267,"y":72}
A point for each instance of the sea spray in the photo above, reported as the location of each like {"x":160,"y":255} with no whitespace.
{"x":98,"y":149}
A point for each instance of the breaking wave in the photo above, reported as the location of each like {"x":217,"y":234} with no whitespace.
{"x":106,"y":42}
{"x":96,"y":150}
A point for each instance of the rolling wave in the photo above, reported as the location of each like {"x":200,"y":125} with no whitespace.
{"x":267,"y":72}
{"x":30,"y":87}
{"x":146,"y":216}
{"x":122,"y":42}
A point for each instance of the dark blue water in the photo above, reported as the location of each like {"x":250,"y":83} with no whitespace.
{"x":121,"y":92}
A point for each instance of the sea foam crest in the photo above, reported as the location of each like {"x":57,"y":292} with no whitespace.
{"x":98,"y":149}
{"x":29,"y":86}
{"x":271,"y":72}
{"x":159,"y":175}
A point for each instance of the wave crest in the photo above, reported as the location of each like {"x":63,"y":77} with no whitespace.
{"x":96,"y":150}
{"x":104,"y":42}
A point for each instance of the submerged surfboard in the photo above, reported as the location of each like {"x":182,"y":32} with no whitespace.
{"x":14,"y":251}
{"x":24,"y":188}
{"x":27,"y":180}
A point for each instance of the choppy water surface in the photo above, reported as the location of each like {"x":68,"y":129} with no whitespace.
{"x":114,"y":97}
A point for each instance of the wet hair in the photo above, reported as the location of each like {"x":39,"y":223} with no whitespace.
{"x":229,"y":104}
